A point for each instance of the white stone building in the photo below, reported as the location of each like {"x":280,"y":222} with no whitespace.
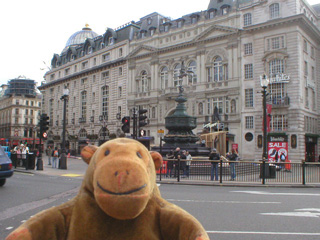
{"x":228,"y":47}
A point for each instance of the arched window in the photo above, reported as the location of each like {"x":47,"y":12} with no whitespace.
{"x":176,"y":72}
{"x":274,"y":10}
{"x":82,"y":133}
{"x":84,"y":105}
{"x":144,"y":81}
{"x":212,"y":13}
{"x":247,"y":19}
{"x":217,"y":70}
{"x":200,"y":108}
{"x":164,"y":78}
{"x":192,"y":79}
{"x":105,"y":101}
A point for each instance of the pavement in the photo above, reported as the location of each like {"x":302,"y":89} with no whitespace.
{"x":76,"y":167}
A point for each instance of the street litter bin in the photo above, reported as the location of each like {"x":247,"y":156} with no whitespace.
{"x":30,"y":162}
{"x":272,"y":171}
{"x":269,"y":170}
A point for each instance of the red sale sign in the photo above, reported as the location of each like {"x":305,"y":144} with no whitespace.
{"x":277,"y":150}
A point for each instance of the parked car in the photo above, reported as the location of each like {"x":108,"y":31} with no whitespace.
{"x":6,"y":169}
{"x":7,"y":150}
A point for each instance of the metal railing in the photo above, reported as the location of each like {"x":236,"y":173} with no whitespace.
{"x":245,"y":172}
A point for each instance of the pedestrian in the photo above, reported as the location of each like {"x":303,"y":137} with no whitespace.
{"x":55,"y":156}
{"x":49,"y":154}
{"x":170,"y":163}
{"x":188,"y":163}
{"x":232,"y":157}
{"x":214,"y":156}
{"x":177,"y":155}
{"x":24,"y":153}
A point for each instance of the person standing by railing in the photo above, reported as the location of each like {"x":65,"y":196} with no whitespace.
{"x":232,"y":157}
{"x":188,"y":163}
{"x":214,"y":156}
{"x":170,"y":162}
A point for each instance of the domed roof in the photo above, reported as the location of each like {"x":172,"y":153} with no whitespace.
{"x":80,"y":37}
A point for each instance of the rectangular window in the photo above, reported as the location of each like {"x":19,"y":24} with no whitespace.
{"x":247,"y":20}
{"x":307,"y":97}
{"x":218,"y":102}
{"x":120,"y":71}
{"x":248,"y":71}
{"x":278,"y":123}
{"x":249,"y":122}
{"x":105,"y":75}
{"x":94,"y":61}
{"x":248,"y":49}
{"x":67,"y":71}
{"x":209,"y":74}
{"x":84,"y":65}
{"x":84,"y":81}
{"x":249,"y":97}
{"x":75,"y":68}
{"x":305,"y":46}
{"x":275,"y":43}
{"x":106,"y":57}
{"x":277,"y":93}
{"x":52,"y":77}
{"x":305,"y":68}
{"x":313,"y":74}
{"x":312,"y":52}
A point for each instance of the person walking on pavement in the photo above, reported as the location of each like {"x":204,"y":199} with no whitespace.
{"x":55,"y":156}
{"x":232,"y":157}
{"x":49,"y":154}
{"x":214,"y":156}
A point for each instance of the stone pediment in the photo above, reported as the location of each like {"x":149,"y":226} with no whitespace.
{"x":216,"y":31}
{"x":142,"y":50}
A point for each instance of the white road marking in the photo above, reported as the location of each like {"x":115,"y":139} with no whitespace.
{"x":305,"y":212}
{"x":9,"y":228}
{"x":204,"y":201}
{"x":266,"y":233}
{"x":279,"y":194}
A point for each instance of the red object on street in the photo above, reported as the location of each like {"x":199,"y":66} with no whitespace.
{"x":164,"y":168}
{"x":287,"y":165}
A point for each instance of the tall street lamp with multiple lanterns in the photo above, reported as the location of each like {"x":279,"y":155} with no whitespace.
{"x":264,"y":81}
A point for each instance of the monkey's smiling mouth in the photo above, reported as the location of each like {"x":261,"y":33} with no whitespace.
{"x":121,"y":193}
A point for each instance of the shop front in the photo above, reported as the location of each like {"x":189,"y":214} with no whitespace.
{"x":311,"y":147}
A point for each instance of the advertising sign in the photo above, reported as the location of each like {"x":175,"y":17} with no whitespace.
{"x":276,"y":150}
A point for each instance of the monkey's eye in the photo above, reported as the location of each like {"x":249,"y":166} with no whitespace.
{"x":106,"y":153}
{"x":139,"y":155}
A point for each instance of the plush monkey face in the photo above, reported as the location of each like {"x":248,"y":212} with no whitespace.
{"x":123,"y":176}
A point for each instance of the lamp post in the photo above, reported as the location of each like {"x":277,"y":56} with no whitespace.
{"x":264,"y":81}
{"x":63,"y":158}
{"x":103,"y":119}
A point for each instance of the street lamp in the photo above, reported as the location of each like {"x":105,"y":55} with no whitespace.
{"x":264,"y":81}
{"x":63,"y":158}
{"x":103,"y":119}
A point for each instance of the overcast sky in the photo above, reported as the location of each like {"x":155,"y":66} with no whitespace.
{"x":33,"y":30}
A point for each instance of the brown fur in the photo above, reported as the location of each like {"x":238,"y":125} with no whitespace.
{"x":118,"y":199}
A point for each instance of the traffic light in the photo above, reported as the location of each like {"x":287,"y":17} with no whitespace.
{"x":126,"y":124}
{"x":44,"y":123}
{"x":142,"y":118}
